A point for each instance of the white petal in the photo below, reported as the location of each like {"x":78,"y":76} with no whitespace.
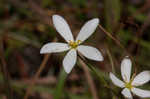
{"x":126,"y":69}
{"x":141,"y":93}
{"x":116,"y":81}
{"x":90,"y":52}
{"x":70,"y":60}
{"x":141,"y":78}
{"x":54,"y":47}
{"x":87,"y":29}
{"x":62,"y":27}
{"x":126,"y":92}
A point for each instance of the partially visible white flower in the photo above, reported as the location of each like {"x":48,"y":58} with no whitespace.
{"x":130,"y":84}
{"x":73,"y":45}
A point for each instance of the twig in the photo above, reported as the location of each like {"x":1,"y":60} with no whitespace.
{"x":118,"y":43}
{"x":108,"y":34}
{"x":115,"y":40}
{"x":89,"y":79}
{"x":29,"y":89}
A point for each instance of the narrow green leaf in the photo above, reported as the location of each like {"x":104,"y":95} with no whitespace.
{"x":60,"y":85}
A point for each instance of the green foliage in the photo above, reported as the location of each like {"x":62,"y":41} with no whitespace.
{"x":23,"y":25}
{"x":60,"y":85}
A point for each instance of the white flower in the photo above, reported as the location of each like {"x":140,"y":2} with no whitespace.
{"x":73,"y":45}
{"x":130,"y":84}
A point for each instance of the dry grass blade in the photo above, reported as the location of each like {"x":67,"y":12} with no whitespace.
{"x":29,"y":89}
{"x":108,"y":34}
{"x":111,"y":59}
{"x":115,"y":40}
{"x":89,"y":79}
{"x":118,"y":43}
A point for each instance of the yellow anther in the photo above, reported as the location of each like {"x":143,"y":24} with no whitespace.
{"x":74,"y":44}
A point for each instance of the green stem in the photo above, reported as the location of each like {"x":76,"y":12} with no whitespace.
{"x":111,"y":60}
{"x":101,"y":77}
{"x":94,"y":71}
{"x":60,"y":85}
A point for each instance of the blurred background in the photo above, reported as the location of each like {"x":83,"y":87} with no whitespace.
{"x":26,"y":25}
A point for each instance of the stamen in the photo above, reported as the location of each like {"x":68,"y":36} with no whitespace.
{"x":74,"y":45}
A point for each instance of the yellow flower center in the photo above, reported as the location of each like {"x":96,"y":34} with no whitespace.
{"x":73,"y":44}
{"x":129,"y":85}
